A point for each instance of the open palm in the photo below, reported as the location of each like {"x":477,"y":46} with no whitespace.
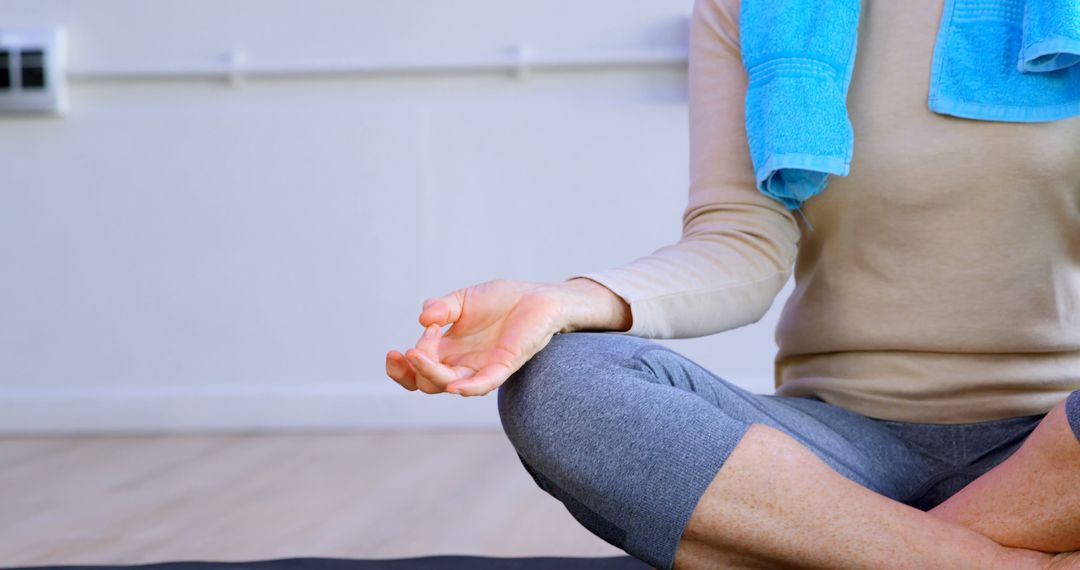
{"x":497,"y":326}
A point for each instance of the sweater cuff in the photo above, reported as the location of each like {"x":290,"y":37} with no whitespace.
{"x":639,"y":321}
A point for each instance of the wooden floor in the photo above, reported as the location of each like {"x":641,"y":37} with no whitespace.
{"x":125,"y":500}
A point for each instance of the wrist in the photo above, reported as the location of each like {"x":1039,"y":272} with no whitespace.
{"x":587,"y":305}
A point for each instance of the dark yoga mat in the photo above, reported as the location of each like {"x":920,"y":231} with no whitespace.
{"x":422,"y":563}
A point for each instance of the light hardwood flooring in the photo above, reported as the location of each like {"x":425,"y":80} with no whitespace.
{"x":139,"y":499}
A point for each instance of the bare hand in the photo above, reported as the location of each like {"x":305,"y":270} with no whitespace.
{"x":497,"y":326}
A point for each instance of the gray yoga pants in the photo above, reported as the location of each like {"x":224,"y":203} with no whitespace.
{"x":628,"y":433}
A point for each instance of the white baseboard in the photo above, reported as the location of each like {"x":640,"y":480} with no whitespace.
{"x":237,"y":408}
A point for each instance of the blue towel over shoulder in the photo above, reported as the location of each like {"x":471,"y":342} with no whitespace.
{"x":994,"y":60}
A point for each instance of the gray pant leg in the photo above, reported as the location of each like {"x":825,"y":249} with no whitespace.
{"x":1072,"y":411}
{"x":627,"y":455}
{"x":628,"y":434}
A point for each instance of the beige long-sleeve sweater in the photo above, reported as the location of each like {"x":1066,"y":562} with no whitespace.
{"x":941,"y":279}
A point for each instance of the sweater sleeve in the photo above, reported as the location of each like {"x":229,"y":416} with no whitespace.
{"x":738,"y":246}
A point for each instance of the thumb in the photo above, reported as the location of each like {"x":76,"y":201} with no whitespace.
{"x":443,"y":310}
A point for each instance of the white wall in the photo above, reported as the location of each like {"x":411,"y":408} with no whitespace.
{"x":181,"y":254}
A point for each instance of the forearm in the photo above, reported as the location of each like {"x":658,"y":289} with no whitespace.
{"x":586,"y":305}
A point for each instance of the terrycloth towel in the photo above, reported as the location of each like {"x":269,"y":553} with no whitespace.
{"x":994,"y":60}
{"x":1007,"y":60}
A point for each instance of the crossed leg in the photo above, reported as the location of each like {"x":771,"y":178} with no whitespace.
{"x":660,"y":457}
{"x":776,"y":504}
{"x":1032,"y":499}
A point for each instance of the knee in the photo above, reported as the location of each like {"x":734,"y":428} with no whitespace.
{"x":530,"y":392}
{"x":534,"y":401}
{"x":1072,"y":412}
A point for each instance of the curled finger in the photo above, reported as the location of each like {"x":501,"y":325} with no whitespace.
{"x":429,"y":341}
{"x":485,"y":380}
{"x":400,"y":371}
{"x":429,"y":369}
